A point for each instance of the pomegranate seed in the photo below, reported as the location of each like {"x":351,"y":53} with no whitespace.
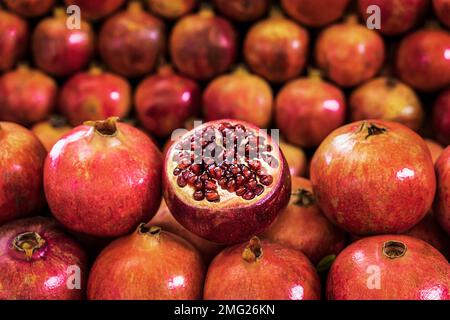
{"x":231,"y":185}
{"x":198,"y":185}
{"x":218,"y":172}
{"x":210,"y":184}
{"x":196,"y":168}
{"x":181,"y":182}
{"x":259,"y":190}
{"x":266,"y":180}
{"x":198,"y":195}
{"x":251,"y":184}
{"x":223,"y":183}
{"x":235,"y":169}
{"x":246,"y":172}
{"x":176,"y":171}
{"x":241,"y":191}
{"x":240,"y":180}
{"x":249,"y":195}
{"x":212,"y":196}
{"x":204,"y":177}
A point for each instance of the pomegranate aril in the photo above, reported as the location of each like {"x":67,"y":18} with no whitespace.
{"x":218,"y":172}
{"x":251,"y":184}
{"x":231,"y":186}
{"x":176,"y":171}
{"x":241,"y":191}
{"x":254,"y":165}
{"x":223,"y":183}
{"x":204,"y":177}
{"x":196,"y":168}
{"x":181,"y":182}
{"x":191,"y":179}
{"x":198,"y":185}
{"x":246,"y":172}
{"x":210,"y":184}
{"x":259,"y":190}
{"x":211,"y":170}
{"x":212,"y":196}
{"x":266,"y":180}
{"x":235,"y":169}
{"x":240,"y":180}
{"x":249,"y":195}
{"x":199,"y":195}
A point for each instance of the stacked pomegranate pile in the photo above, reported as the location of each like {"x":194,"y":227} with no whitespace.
{"x":139,"y":157}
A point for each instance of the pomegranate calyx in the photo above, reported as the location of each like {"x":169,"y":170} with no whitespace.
{"x":150,"y":230}
{"x":59,"y":12}
{"x":28,"y":243}
{"x":304,"y":198}
{"x":107,"y":128}
{"x":57,"y":121}
{"x":253,"y":251}
{"x":135,"y":6}
{"x":391,"y":83}
{"x":372,"y":129}
{"x":394,"y":249}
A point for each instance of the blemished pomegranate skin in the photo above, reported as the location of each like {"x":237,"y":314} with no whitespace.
{"x":442,"y":201}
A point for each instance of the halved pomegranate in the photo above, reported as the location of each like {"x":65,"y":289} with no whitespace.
{"x":226,"y":180}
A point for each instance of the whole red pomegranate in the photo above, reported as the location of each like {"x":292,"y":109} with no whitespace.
{"x":59,"y":50}
{"x":172,"y":9}
{"x":295,"y":158}
{"x":423,"y":59}
{"x":13,"y":39}
{"x":389,"y":267}
{"x":22,"y":161}
{"x":442,"y":9}
{"x":163,"y":266}
{"x":239,"y":95}
{"x":96,"y":9}
{"x":435,"y":149}
{"x":349,"y":53}
{"x":242,"y":10}
{"x":441,"y":118}
{"x":51,"y":131}
{"x":94,"y":95}
{"x":40,"y":262}
{"x":397,"y":16}
{"x":277,"y":56}
{"x":103,"y":178}
{"x":442,"y":201}
{"x":303,"y":226}
{"x":202,"y":45}
{"x":165,"y":101}
{"x":30,"y":8}
{"x":315,"y":13}
{"x":132,"y":41}
{"x":26,"y":96}
{"x":387,"y":99}
{"x":226,"y":181}
{"x":373,"y":177}
{"x":261,"y":271}
{"x":308,"y":109}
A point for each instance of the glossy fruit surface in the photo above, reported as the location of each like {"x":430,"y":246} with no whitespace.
{"x":30,"y":8}
{"x":172,"y":9}
{"x":441,"y":118}
{"x":149,"y":264}
{"x":96,"y":9}
{"x":442,"y":9}
{"x":103,"y":178}
{"x":389,"y":267}
{"x":94,"y":95}
{"x":296,"y":159}
{"x":435,"y":149}
{"x":386,"y":99}
{"x":365,"y":174}
{"x":442,"y":201}
{"x":51,"y":131}
{"x":26,"y":96}
{"x":242,"y":10}
{"x":240,"y":96}
{"x":202,"y":45}
{"x":315,"y":13}
{"x":13,"y":39}
{"x":22,"y":160}
{"x":261,"y":271}
{"x":226,"y":181}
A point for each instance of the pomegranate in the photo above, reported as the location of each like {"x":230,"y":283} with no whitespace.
{"x":22,"y":160}
{"x":30,"y":8}
{"x":276,"y":48}
{"x":26,"y":96}
{"x":163,"y":266}
{"x":202,"y":45}
{"x":172,"y":9}
{"x":50,"y":131}
{"x":40,"y":262}
{"x":132,"y":41}
{"x":435,"y":149}
{"x":442,"y":9}
{"x":103,"y":178}
{"x":387,"y":99}
{"x":389,"y":267}
{"x":296,"y":159}
{"x":373,"y":177}
{"x":226,"y":181}
{"x":442,"y":202}
{"x":441,"y":118}
{"x":94,"y":95}
{"x":165,"y":101}
{"x":242,"y":10}
{"x":13,"y":39}
{"x":315,"y":13}
{"x":423,"y":59}
{"x":241,"y":96}
{"x":397,"y":16}
{"x":96,"y":9}
{"x":350,"y":53}
{"x":308,"y":109}
{"x":61,"y":51}
{"x":261,"y":271}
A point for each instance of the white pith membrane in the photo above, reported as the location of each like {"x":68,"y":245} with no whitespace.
{"x":183,"y":155}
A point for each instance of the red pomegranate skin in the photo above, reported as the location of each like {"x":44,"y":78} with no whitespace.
{"x":422,"y":273}
{"x":202,"y":45}
{"x":386,"y":99}
{"x":276,"y":48}
{"x":239,"y":95}
{"x":349,"y":53}
{"x":131,"y":41}
{"x":397,"y":16}
{"x":30,"y":8}
{"x":280,"y":273}
{"x":441,"y":118}
{"x":14,"y":35}
{"x":146,"y":266}
{"x":442,"y":201}
{"x":442,"y":9}
{"x":423,"y":59}
{"x":242,"y":10}
{"x":165,"y":101}
{"x":373,"y":177}
{"x":47,"y":273}
{"x":173,"y":9}
{"x":60,"y":51}
{"x":50,"y":131}
{"x":435,"y":149}
{"x":315,"y":13}
{"x":96,"y":9}
{"x":22,"y":160}
{"x":296,"y":159}
{"x":26,"y":96}
{"x":103,"y":181}
{"x":94,"y":95}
